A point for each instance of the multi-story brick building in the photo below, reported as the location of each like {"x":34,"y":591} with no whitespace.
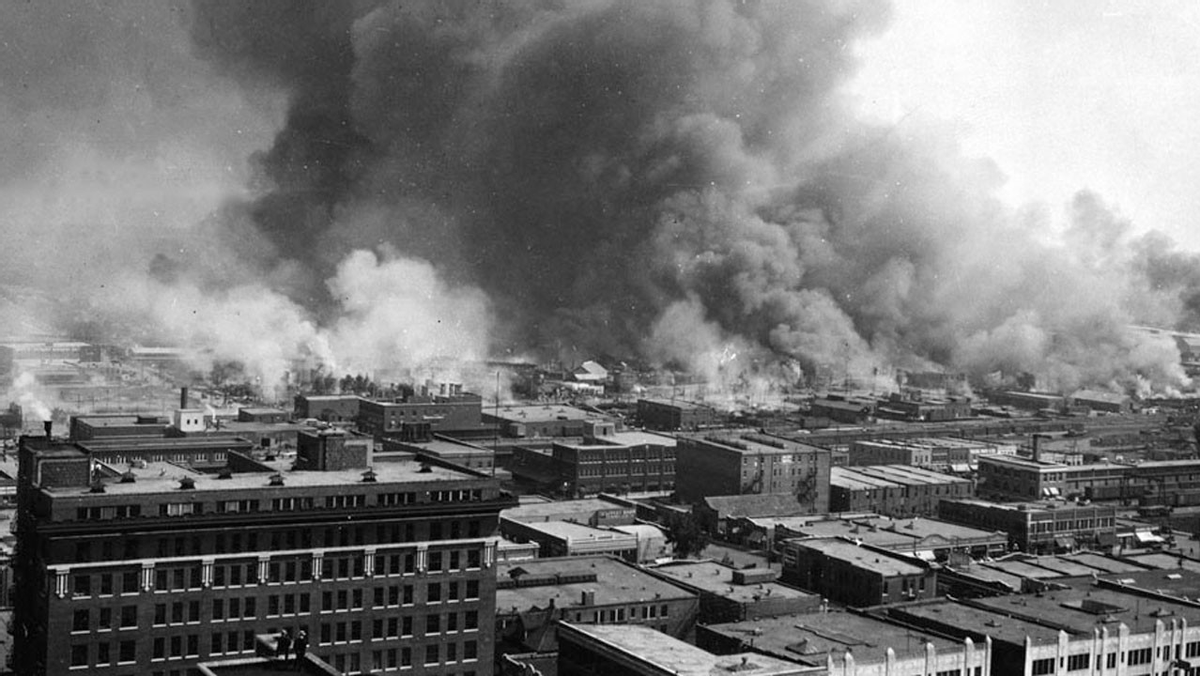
{"x":671,"y":415}
{"x":741,"y":463}
{"x":605,"y":461}
{"x":1015,"y":478}
{"x":1038,"y":527}
{"x":154,"y":569}
{"x":846,"y":572}
{"x":543,"y":420}
{"x":534,"y":598}
{"x":332,"y":408}
{"x":894,"y":490}
{"x":729,"y":594}
{"x":419,"y":415}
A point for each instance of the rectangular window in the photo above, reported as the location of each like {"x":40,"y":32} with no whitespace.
{"x":1077,"y":662}
{"x":81,"y":620}
{"x":1142,"y":656}
{"x":431,"y":654}
{"x":79,"y":655}
{"x":129,"y":582}
{"x":127,"y":652}
{"x":1043,"y":667}
{"x":129,"y":617}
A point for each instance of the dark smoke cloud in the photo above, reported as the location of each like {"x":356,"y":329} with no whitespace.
{"x":681,"y":181}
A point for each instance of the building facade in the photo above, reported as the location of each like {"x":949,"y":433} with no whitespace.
{"x":160,"y":567}
{"x":845,"y":572}
{"x":671,"y":415}
{"x":1038,"y":527}
{"x":894,"y":490}
{"x":605,"y":461}
{"x":444,"y":414}
{"x":742,"y":463}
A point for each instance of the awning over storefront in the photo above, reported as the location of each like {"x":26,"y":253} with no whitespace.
{"x":925,"y":555}
{"x":1064,"y":542}
{"x":1146,"y":537}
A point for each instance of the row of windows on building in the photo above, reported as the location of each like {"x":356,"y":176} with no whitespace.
{"x":293,"y":570}
{"x":620,"y":457}
{"x":610,"y":470}
{"x":340,"y":501}
{"x":277,"y":605}
{"x":188,"y":646}
{"x":1071,"y":525}
{"x":282,"y":539}
{"x":1136,"y":657}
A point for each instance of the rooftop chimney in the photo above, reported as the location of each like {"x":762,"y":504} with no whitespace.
{"x":49,"y":425}
{"x":183,"y":397}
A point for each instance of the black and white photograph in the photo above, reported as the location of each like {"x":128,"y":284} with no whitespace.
{"x":600,"y":337}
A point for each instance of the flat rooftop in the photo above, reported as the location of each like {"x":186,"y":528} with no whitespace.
{"x":674,"y":656}
{"x":808,"y":638}
{"x":538,"y":511}
{"x":577,"y":532}
{"x":677,"y":403}
{"x":852,"y":553}
{"x":1066,"y":608}
{"x":107,"y":444}
{"x":1163,"y":561}
{"x":163,"y":477}
{"x":898,"y":475}
{"x":717,"y":578}
{"x":752,"y":442}
{"x":802,"y":520}
{"x":1104,"y":563}
{"x":539,"y":413}
{"x":445,"y":447}
{"x":1179,"y":582}
{"x":1011,"y":630}
{"x":988,"y":574}
{"x":121,"y":420}
{"x":1023,"y":569}
{"x":921,"y":527}
{"x":616,"y":583}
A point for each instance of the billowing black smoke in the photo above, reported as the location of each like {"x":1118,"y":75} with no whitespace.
{"x":680,"y":181}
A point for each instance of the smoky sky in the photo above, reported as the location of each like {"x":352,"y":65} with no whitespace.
{"x":680,"y":183}
{"x":652,"y":179}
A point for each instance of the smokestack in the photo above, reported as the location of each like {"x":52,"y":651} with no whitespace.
{"x":183,"y":398}
{"x":1037,"y":442}
{"x":49,"y":425}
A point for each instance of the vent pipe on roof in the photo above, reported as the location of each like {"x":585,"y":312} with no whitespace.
{"x":275,"y":480}
{"x":187,"y":483}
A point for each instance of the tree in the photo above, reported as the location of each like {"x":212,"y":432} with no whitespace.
{"x":685,"y":535}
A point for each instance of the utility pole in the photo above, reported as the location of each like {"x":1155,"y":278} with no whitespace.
{"x":496,"y":429}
